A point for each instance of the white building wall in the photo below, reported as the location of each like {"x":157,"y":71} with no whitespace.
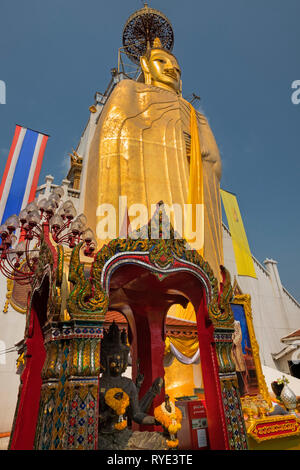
{"x":12,"y":327}
{"x":275,"y":312}
{"x":84,"y":147}
{"x":46,"y":189}
{"x":292,"y":306}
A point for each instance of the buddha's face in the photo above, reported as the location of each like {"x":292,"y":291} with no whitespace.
{"x":116,"y":364}
{"x":163,"y":69}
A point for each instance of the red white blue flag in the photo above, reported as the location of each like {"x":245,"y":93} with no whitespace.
{"x":22,"y":170}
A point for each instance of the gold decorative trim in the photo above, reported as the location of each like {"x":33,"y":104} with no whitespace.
{"x":245,"y":300}
{"x":290,"y":421}
{"x":10,"y":286}
{"x":236,"y":288}
{"x":21,"y":360}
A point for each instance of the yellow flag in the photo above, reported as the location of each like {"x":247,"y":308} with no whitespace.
{"x":195,"y":213}
{"x":243,"y":258}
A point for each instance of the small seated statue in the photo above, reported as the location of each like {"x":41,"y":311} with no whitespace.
{"x":118,"y":397}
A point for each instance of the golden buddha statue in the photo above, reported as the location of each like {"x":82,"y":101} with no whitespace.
{"x":142,"y":148}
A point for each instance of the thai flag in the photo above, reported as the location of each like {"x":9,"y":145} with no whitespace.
{"x":22,"y":171}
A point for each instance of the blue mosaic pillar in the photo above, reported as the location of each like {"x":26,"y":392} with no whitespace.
{"x":234,"y":419}
{"x":68,"y":413}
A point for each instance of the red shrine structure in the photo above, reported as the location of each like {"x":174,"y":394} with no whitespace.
{"x":141,"y":278}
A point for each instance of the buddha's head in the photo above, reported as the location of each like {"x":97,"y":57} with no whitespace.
{"x":114,"y":351}
{"x":161,"y":68}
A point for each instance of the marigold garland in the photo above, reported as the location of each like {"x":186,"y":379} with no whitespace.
{"x":119,"y":406}
{"x":121,"y":425}
{"x":172,"y":444}
{"x":169,"y":420}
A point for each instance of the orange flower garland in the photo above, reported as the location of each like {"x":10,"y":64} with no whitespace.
{"x":121,"y":425}
{"x":172,"y":444}
{"x":169,"y":420}
{"x":119,"y":406}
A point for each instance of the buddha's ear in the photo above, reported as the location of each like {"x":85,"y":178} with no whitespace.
{"x":180,"y":88}
{"x":145,"y":69}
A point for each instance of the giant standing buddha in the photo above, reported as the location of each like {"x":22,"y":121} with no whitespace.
{"x":150,"y":145}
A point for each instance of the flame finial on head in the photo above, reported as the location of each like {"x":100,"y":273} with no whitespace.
{"x":157,"y":44}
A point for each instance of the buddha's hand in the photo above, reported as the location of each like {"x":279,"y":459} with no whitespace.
{"x":139,"y":380}
{"x":157,"y":385}
{"x":148,"y":420}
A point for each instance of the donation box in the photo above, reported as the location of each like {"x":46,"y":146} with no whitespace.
{"x":193,"y":433}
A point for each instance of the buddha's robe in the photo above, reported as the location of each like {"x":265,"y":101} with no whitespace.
{"x":140,"y":150}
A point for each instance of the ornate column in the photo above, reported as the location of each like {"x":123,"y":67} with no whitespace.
{"x":68,"y":413}
{"x":223,"y":321}
{"x":230,"y":395}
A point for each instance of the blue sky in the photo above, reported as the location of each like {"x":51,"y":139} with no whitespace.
{"x":240,"y":56}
